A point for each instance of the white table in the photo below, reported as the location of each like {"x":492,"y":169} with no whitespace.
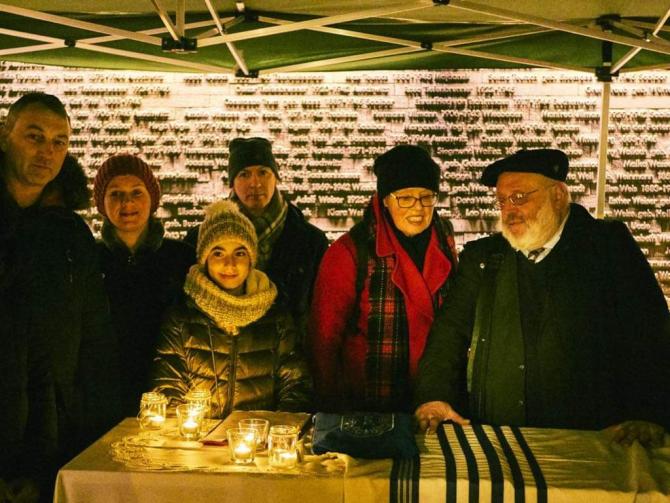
{"x":457,"y":465}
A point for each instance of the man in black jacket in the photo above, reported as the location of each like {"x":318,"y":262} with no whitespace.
{"x":65,"y":306}
{"x":557,"y":322}
{"x":289,"y":248}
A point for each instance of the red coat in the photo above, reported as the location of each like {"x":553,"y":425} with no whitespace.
{"x":338,"y":347}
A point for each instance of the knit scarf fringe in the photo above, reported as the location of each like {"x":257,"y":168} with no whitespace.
{"x":230,"y":312}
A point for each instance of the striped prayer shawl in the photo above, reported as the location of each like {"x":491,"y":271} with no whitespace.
{"x":490,"y":456}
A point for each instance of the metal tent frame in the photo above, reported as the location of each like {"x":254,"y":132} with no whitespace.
{"x":181,"y":39}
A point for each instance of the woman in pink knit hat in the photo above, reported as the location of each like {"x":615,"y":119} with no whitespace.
{"x":144,"y":271}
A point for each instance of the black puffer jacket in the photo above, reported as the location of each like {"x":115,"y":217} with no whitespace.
{"x":141,"y":286}
{"x":68,"y":310}
{"x":295,"y":261}
{"x":257,"y":369}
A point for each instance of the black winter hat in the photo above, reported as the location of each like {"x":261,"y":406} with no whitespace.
{"x":549,"y":162}
{"x":245,"y":152}
{"x":406,"y":166}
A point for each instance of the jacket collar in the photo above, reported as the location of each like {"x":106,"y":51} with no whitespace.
{"x":436,"y":267}
{"x":149,"y":242}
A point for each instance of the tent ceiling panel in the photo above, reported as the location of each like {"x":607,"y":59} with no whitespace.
{"x":301,"y":34}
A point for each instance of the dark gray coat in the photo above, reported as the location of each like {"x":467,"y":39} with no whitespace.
{"x":600,"y":354}
{"x":66,"y":309}
{"x":141,"y":286}
{"x":27,"y":402}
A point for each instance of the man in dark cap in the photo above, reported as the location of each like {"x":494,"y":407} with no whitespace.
{"x":556,"y":322}
{"x":289,"y":247}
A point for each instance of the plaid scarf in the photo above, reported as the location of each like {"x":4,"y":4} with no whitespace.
{"x":230,"y":312}
{"x":387,"y":362}
{"x":269,"y":225}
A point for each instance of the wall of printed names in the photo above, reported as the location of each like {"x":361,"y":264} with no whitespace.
{"x":327,"y":128}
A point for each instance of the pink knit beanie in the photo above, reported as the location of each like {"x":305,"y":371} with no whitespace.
{"x":124,"y":164}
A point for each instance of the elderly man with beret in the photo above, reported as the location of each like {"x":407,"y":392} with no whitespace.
{"x":289,"y":247}
{"x":557,"y":321}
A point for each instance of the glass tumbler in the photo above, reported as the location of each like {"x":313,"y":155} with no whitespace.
{"x":261,"y":426}
{"x":189,"y":421}
{"x":242,"y":443}
{"x":202,"y":398}
{"x":282,"y":446}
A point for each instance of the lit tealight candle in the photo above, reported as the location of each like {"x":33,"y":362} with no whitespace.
{"x":243,"y":452}
{"x":283,"y":459}
{"x":190,"y":427}
{"x":189,"y":421}
{"x":156,"y":421}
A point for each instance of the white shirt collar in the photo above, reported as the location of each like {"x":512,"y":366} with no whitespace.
{"x":549,"y":245}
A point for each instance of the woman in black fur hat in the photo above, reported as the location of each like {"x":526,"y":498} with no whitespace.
{"x":378,"y":288}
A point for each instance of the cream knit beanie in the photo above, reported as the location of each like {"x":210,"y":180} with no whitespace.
{"x":224,"y":220}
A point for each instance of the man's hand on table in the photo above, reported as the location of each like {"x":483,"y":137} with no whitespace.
{"x":430,"y":414}
{"x":648,"y":434}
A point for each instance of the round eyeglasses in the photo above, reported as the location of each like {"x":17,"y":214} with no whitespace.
{"x":517,"y":198}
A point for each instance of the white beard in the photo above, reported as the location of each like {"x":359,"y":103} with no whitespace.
{"x":539,"y":230}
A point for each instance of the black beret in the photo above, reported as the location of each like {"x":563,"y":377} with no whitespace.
{"x":549,"y":162}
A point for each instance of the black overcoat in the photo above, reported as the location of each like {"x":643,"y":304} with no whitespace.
{"x":599,"y":357}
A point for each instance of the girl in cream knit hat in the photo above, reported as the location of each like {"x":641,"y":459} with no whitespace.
{"x":228,"y":336}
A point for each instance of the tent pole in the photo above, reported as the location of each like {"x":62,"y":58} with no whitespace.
{"x":169,"y":25}
{"x":79,"y":24}
{"x":633,"y":52}
{"x":658,"y":45}
{"x":602,"y":153}
{"x":312,"y":23}
{"x":180,"y":17}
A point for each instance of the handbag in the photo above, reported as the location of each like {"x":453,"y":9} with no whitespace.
{"x":370,"y":435}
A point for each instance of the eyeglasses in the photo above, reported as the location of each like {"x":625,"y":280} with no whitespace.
{"x":518,"y":198}
{"x":409,"y":201}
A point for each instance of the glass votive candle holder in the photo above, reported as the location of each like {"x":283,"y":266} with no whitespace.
{"x":242,"y":443}
{"x":189,"y":421}
{"x":153,"y":408}
{"x":260,"y":425}
{"x":282,"y":446}
{"x":200,"y":397}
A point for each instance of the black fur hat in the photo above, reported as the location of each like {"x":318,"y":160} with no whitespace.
{"x":406,"y":166}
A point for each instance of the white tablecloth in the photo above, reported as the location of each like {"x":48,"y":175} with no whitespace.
{"x":458,"y":465}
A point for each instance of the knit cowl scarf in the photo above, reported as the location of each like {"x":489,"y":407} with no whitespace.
{"x":230,"y":312}
{"x":269,"y":225}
